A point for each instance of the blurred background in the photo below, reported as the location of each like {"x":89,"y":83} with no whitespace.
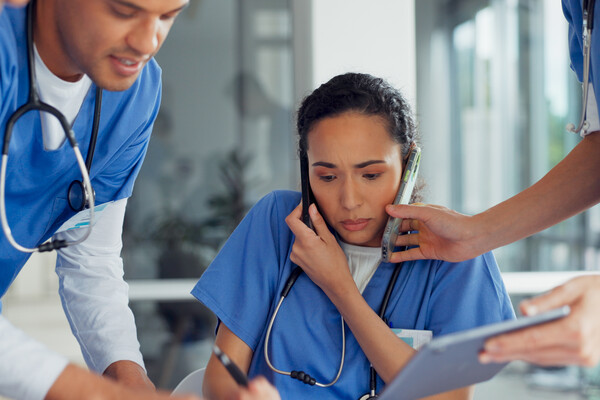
{"x":491,"y":86}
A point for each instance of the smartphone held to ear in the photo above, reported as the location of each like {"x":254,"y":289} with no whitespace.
{"x":409,"y":178}
{"x":307,"y":194}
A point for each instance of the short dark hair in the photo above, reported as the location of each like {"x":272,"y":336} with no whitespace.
{"x":362,"y":93}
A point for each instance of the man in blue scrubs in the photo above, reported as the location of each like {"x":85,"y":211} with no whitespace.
{"x":571,"y":187}
{"x":79,"y":46}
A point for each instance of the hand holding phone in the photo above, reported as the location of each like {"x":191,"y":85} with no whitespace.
{"x":409,"y":177}
{"x":235,"y":372}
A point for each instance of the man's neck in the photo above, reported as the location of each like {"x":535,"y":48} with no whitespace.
{"x":49,"y":45}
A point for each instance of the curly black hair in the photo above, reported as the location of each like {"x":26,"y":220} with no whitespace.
{"x":361,"y":93}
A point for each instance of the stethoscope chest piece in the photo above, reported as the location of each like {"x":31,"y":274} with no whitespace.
{"x":77,"y":197}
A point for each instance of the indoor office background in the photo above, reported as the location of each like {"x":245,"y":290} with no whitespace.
{"x":492,"y":90}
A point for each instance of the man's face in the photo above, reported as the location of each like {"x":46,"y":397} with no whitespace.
{"x":108,"y":40}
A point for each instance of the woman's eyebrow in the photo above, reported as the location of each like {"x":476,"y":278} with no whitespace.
{"x":359,"y":165}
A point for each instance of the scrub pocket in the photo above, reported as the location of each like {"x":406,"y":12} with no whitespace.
{"x":414,"y":338}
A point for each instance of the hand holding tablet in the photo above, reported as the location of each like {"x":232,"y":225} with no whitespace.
{"x":452,"y":361}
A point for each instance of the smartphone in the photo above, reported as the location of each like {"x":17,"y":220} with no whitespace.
{"x":307,"y":195}
{"x":235,"y":371}
{"x":390,"y":233}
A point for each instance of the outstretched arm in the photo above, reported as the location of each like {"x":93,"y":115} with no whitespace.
{"x":567,"y":189}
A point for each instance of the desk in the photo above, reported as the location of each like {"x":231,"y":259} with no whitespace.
{"x":517,"y":283}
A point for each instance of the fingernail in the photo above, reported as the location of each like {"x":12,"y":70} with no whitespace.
{"x":485,"y":358}
{"x":491,"y":346}
{"x":530,"y":309}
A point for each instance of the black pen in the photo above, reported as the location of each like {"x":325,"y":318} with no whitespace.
{"x":235,"y":372}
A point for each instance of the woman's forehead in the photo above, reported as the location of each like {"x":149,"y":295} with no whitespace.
{"x":351,"y":132}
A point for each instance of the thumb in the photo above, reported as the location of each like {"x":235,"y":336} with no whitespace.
{"x":562,"y":295}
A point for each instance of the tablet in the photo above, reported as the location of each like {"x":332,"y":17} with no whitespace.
{"x":451,"y":361}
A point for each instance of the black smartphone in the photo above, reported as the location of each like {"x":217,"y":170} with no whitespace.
{"x":235,"y":371}
{"x":307,"y":195}
{"x":409,"y":177}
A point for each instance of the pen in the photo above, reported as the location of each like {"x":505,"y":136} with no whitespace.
{"x":233,"y":369}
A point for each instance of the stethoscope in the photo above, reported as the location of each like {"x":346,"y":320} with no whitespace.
{"x":80,"y":194}
{"x":588,"y":25}
{"x":303,"y":376}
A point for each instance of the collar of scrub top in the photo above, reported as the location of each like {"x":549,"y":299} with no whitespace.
{"x":33,"y":103}
{"x":588,"y":25}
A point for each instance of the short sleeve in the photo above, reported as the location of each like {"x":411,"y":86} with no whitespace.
{"x":468,"y":294}
{"x":126,"y":123}
{"x":240,"y":284}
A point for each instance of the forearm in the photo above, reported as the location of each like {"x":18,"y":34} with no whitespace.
{"x":95,"y":296}
{"x":129,"y":373}
{"x":569,"y":188}
{"x":387,"y":353}
{"x":76,"y":383}
{"x":218,"y":383}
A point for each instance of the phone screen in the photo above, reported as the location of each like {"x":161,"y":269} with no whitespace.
{"x":403,"y":196}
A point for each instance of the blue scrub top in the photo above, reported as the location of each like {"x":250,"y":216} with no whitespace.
{"x":37,"y":180}
{"x":574,"y":14}
{"x":243,"y":284}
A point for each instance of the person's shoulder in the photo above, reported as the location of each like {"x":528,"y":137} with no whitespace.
{"x":11,"y":22}
{"x":285,"y":200}
{"x":278,"y":203}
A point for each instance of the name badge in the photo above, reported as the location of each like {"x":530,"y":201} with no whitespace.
{"x":82,"y":218}
{"x":414,"y":338}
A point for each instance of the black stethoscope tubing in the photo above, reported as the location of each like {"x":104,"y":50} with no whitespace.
{"x":304,"y":377}
{"x":80,"y":193}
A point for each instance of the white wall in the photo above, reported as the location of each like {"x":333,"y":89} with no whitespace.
{"x":372,"y":36}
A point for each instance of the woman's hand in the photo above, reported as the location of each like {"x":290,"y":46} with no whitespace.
{"x":318,"y":253}
{"x":258,"y":389}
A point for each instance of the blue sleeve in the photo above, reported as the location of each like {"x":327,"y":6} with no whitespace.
{"x":132,"y":116}
{"x":240,"y":284}
{"x":573,"y":14}
{"x":8,"y":69}
{"x":468,"y":294}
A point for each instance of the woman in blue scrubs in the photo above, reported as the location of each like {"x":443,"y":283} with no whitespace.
{"x":356,"y":130}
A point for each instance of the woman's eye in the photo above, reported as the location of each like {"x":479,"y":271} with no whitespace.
{"x":371,"y":176}
{"x":327,"y":178}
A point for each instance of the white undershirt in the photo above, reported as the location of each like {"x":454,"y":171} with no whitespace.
{"x":65,"y":96}
{"x":591,"y":113}
{"x":363,"y":262}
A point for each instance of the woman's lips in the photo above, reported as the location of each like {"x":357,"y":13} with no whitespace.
{"x":355,"y":224}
